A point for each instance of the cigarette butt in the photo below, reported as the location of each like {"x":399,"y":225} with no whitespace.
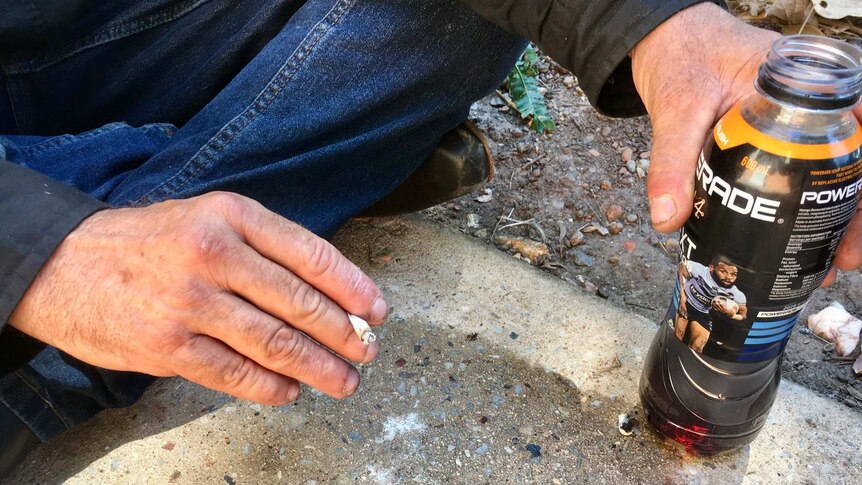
{"x":362,"y":329}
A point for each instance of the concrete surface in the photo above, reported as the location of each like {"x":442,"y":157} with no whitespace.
{"x":491,"y":371}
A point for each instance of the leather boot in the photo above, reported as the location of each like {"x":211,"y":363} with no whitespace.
{"x":17,"y":440}
{"x":460,"y":164}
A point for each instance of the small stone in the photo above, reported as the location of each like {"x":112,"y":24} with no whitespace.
{"x":169,"y":446}
{"x":597,"y":228}
{"x":644,"y":164}
{"x":513,"y":336}
{"x":640,"y":171}
{"x":473,"y":221}
{"x":580,"y":258}
{"x":355,"y":436}
{"x":519,"y":390}
{"x":590,"y":287}
{"x":116,"y":464}
{"x":593,"y":152}
{"x":606,"y":185}
{"x":481,"y":233}
{"x":631,"y":218}
{"x":626,"y":154}
{"x":400,"y":363}
{"x":535,"y":450}
{"x":645,"y":154}
{"x":631,"y":166}
{"x":536,"y":173}
{"x":569,"y":81}
{"x":577,"y":238}
{"x":615,"y":228}
{"x":229,"y":479}
{"x":482,"y":449}
{"x":614,"y":260}
{"x":614,"y":212}
{"x":672,"y":244}
{"x":606,"y":131}
{"x":603,"y":293}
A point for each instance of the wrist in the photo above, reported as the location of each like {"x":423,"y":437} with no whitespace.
{"x":683,"y":27}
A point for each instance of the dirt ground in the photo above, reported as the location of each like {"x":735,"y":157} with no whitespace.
{"x":573,"y":192}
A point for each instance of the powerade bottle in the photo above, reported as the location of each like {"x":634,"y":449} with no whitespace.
{"x":776,"y":187}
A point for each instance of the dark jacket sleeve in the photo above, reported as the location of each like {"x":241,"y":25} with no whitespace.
{"x":592,"y":38}
{"x":36,"y":214}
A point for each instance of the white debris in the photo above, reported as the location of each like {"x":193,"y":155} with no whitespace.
{"x":834,"y":324}
{"x":625,"y":424}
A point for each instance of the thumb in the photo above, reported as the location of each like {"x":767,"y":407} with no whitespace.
{"x":681,"y":125}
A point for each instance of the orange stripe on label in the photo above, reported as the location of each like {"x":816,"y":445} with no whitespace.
{"x":733,"y":131}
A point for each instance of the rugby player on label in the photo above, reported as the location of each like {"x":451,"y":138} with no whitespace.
{"x":706,"y":288}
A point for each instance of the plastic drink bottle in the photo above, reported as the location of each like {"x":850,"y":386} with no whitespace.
{"x":776,"y":187}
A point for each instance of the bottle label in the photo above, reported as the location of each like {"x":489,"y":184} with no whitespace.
{"x":767,"y":219}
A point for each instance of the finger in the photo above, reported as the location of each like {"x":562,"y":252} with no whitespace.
{"x":849,"y":255}
{"x":830,"y":278}
{"x":277,"y":346}
{"x":212,"y":364}
{"x":289,"y":299}
{"x":311,"y":258}
{"x":681,"y":122}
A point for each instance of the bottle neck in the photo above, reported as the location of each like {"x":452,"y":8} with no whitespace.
{"x":812,"y":72}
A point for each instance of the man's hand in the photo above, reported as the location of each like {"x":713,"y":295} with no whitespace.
{"x":689,"y":71}
{"x":216,"y":289}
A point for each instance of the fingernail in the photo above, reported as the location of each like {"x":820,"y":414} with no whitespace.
{"x":371,"y":351}
{"x":662,"y":209}
{"x":379,"y":310}
{"x":293,"y":394}
{"x":352,"y":383}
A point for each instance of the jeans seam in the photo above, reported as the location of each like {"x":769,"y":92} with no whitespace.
{"x":47,"y":402}
{"x":203,"y":158}
{"x":106,"y":35}
{"x":60,"y":140}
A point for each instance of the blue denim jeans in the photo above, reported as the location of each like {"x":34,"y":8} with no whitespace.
{"x":315,"y":108}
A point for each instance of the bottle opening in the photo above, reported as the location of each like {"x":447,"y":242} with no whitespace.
{"x":812,"y":72}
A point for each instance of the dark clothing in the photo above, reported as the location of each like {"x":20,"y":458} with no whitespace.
{"x":590,"y":37}
{"x":695,"y":315}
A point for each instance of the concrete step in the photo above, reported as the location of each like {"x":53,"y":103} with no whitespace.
{"x":491,"y":371}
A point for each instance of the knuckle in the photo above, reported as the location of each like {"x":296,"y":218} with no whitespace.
{"x":233,"y":373}
{"x":205,"y":244}
{"x":286,"y":346}
{"x":188,"y":293}
{"x":323,"y":257}
{"x":310,"y":304}
{"x":227,"y":201}
{"x":164,"y":340}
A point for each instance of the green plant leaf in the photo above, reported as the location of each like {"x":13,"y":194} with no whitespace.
{"x":524,"y":88}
